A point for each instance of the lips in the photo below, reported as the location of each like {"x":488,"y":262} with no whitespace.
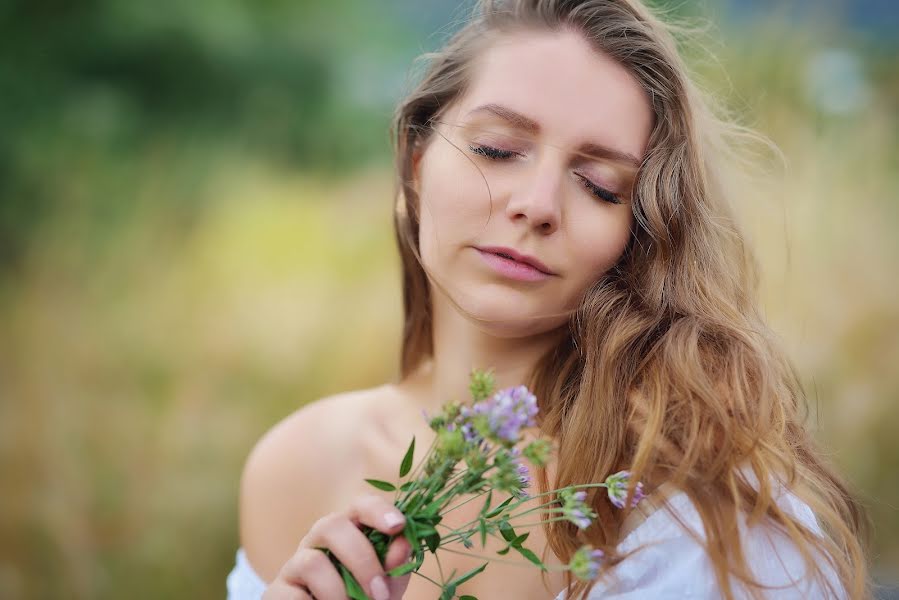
{"x":513,"y":254}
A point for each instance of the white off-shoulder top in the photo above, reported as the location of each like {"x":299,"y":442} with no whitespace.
{"x":671,"y":563}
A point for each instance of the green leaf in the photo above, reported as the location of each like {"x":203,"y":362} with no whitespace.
{"x":382,"y":485}
{"x":353,"y":589}
{"x":407,"y":460}
{"x":514,"y":543}
{"x":487,"y":503}
{"x":482,"y":527}
{"x":531,"y":557}
{"x":433,"y":506}
{"x":402,"y":569}
{"x":448,"y":592}
{"x":407,"y":486}
{"x":433,"y":542}
{"x":506,"y":530}
{"x":499,"y":508}
{"x":425,"y":530}
{"x":469,"y":575}
{"x":410,"y":531}
{"x":467,"y":597}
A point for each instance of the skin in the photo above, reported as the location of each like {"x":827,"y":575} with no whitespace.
{"x":540,"y":206}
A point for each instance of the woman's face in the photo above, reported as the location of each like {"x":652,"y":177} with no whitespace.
{"x":556,"y":130}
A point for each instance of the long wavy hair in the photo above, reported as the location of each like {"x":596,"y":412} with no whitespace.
{"x":669,"y":369}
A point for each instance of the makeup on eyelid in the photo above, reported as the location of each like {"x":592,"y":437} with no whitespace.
{"x":596,"y":185}
{"x":604,"y":178}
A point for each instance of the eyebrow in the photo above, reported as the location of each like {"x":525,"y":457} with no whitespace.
{"x":522,"y":122}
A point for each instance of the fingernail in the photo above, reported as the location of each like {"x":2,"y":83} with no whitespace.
{"x":379,"y":589}
{"x":393,"y":519}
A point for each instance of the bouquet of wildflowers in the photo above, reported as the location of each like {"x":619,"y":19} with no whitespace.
{"x":476,"y":452}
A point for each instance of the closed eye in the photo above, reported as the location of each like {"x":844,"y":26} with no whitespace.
{"x":492,"y":153}
{"x":600,"y":192}
{"x":498,"y":154}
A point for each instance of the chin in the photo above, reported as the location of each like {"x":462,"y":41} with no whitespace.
{"x":507,"y":316}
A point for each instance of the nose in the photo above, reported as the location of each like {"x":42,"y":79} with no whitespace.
{"x":538,"y":199}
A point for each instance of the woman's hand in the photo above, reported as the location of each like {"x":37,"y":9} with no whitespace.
{"x":310,"y":574}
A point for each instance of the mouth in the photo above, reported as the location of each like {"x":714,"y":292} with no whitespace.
{"x":507,"y":265}
{"x":513,"y":255}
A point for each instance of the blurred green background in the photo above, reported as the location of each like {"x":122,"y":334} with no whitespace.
{"x":195,"y":240}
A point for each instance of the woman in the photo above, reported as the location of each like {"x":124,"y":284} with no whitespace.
{"x":562,"y":218}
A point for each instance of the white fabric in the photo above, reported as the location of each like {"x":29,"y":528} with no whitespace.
{"x":671,"y":565}
{"x":243,"y":583}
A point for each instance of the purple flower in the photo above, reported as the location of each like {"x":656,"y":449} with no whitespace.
{"x":468,"y":431}
{"x":585,"y":562}
{"x":509,"y":474}
{"x":506,"y":412}
{"x":575,"y":509}
{"x":524,"y":478}
{"x":617,"y":485}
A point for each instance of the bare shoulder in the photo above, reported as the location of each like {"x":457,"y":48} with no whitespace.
{"x":295,"y":472}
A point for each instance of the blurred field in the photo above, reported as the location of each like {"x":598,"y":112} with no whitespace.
{"x":174,"y":282}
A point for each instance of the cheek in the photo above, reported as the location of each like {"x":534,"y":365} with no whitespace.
{"x":598,"y":244}
{"x":454,"y":201}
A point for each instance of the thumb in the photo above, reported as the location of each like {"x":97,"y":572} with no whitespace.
{"x":397,"y":554}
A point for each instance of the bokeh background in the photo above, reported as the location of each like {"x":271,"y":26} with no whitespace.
{"x":195,"y":240}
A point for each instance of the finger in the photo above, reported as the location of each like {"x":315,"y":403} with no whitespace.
{"x":378,"y":513}
{"x":398,"y":553}
{"x":310,"y":568}
{"x":343,"y":538}
{"x":398,"y":585}
{"x":281,"y":590}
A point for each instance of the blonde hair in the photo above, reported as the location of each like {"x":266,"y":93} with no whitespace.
{"x":669,"y":369}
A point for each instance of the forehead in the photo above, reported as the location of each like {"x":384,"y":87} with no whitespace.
{"x":575,"y":93}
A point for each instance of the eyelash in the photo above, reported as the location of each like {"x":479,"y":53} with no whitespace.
{"x":497,"y":154}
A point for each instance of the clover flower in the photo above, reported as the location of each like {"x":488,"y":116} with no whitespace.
{"x":510,"y":475}
{"x":482,"y":384}
{"x":585,"y":562}
{"x":617,"y":485}
{"x":450,"y":443}
{"x":502,"y":416}
{"x":538,"y":452}
{"x":524,"y":477}
{"x":469,"y":432}
{"x":575,"y":509}
{"x":486,"y":437}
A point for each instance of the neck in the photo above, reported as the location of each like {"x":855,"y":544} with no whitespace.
{"x":460,"y":346}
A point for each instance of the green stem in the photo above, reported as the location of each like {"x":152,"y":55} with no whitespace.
{"x":428,"y":493}
{"x":514,"y":505}
{"x":452,"y":508}
{"x":440,"y":569}
{"x":505,"y":560}
{"x":541,"y":522}
{"x":493,"y":452}
{"x":415,"y":471}
{"x":532,"y":509}
{"x":457,"y":535}
{"x":440,"y":585}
